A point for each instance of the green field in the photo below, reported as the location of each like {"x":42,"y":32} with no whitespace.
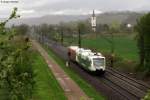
{"x":125,"y":45}
{"x":87,"y":88}
{"x":47,"y":88}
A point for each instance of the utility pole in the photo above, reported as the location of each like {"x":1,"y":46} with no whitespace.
{"x":42,"y":38}
{"x":62,"y":36}
{"x":79,"y":37}
{"x":112,"y":51}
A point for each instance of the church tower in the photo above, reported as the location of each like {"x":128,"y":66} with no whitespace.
{"x":93,"y":21}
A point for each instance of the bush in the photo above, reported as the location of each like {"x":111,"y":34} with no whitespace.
{"x":143,"y":43}
{"x":120,"y":63}
{"x":16,"y":73}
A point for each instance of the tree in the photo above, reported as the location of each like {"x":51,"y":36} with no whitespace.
{"x":143,"y":28}
{"x":115,"y":27}
{"x":43,"y":31}
{"x":16,"y":73}
{"x":101,"y":28}
{"x":22,"y":29}
{"x":83,"y":28}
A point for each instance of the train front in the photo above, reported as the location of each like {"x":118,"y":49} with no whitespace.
{"x":98,"y":63}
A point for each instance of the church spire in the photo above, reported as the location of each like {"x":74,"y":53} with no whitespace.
{"x":93,"y":13}
{"x":93,"y":21}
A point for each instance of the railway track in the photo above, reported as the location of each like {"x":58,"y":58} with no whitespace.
{"x":114,"y":85}
{"x":127,"y":90}
{"x":124,"y":94}
{"x":137,"y":83}
{"x":136,"y":88}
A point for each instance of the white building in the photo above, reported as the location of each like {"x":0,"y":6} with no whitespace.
{"x":129,"y":25}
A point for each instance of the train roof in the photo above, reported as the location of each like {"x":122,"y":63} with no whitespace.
{"x":86,"y":52}
{"x":73,"y":47}
{"x":96,"y":55}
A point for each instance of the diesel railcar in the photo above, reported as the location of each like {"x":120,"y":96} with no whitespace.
{"x":91,"y":61}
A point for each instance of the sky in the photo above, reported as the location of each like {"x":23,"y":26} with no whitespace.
{"x":38,"y":8}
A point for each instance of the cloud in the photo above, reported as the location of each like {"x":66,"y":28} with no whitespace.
{"x":74,"y":12}
{"x":26,"y":12}
{"x":35,"y":8}
{"x":104,"y":5}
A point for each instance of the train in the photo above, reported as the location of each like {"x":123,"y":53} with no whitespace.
{"x":91,"y":61}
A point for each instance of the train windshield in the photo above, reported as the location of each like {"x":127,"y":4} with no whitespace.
{"x":98,"y":62}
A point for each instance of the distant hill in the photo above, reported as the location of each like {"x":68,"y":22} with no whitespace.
{"x":119,"y":17}
{"x":49,"y":19}
{"x":104,"y":18}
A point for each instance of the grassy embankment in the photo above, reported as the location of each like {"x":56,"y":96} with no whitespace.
{"x":87,"y":88}
{"x":47,"y":87}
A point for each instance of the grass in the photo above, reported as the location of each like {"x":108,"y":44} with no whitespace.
{"x":125,"y":45}
{"x":47,"y":87}
{"x":87,"y":88}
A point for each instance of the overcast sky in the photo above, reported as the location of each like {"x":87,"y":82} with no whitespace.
{"x":37,"y":8}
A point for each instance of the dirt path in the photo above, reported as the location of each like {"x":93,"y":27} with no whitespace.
{"x":71,"y":89}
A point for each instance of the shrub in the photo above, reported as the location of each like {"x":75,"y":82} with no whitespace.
{"x":16,"y":73}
